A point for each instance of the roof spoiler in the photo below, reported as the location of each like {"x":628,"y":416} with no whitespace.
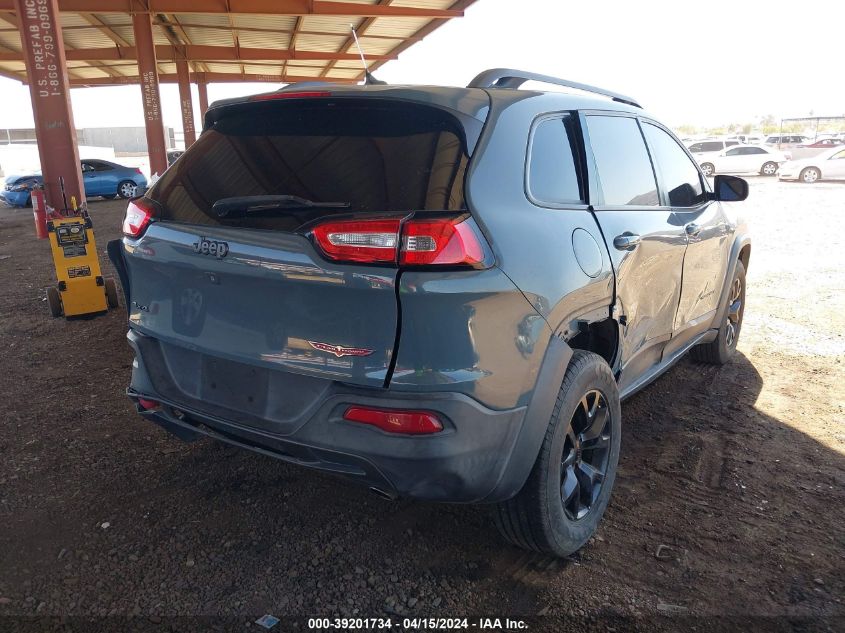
{"x":513,"y":79}
{"x":307,"y":85}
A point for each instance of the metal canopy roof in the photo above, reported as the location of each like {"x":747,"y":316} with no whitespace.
{"x":279,"y":41}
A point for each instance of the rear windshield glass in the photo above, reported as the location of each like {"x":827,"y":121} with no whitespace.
{"x":371,"y":156}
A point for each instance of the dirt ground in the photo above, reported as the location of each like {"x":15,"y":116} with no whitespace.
{"x":728,"y":511}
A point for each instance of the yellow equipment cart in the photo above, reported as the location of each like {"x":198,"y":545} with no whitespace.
{"x":81,"y":288}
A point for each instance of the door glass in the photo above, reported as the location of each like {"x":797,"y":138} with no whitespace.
{"x":552,"y":176}
{"x":680,"y":175}
{"x":625,"y":174}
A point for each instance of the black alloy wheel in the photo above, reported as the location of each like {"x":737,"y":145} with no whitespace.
{"x":734,"y":317}
{"x":586,"y":452}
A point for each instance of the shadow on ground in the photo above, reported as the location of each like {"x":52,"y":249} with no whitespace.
{"x":719,"y":510}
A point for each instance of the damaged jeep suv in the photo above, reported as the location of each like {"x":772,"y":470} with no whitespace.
{"x":442,"y":293}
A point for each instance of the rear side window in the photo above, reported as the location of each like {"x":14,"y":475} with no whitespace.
{"x":624,"y":172}
{"x":552,"y":177}
{"x":679,"y":174}
{"x":373,"y":156}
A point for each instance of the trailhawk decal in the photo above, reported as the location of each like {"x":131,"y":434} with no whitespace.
{"x":340,"y":350}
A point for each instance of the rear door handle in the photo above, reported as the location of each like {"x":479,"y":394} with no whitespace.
{"x":692,"y":229}
{"x":626,"y":242}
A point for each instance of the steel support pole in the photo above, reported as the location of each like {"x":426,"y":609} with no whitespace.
{"x":202,"y":88}
{"x":156,"y":146}
{"x":46,"y":69}
{"x":186,"y":102}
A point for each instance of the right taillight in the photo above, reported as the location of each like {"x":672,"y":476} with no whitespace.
{"x":416,"y":241}
{"x":396,"y":421}
{"x":139,"y":214}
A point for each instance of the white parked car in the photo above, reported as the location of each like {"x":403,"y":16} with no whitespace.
{"x":743,"y":159}
{"x":787,"y":141}
{"x":751,"y":139}
{"x":711,"y":146}
{"x":829,"y":165}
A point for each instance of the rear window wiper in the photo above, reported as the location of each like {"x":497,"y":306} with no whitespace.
{"x":249,"y":204}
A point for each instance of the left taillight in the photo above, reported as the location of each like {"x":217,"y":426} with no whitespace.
{"x":442,"y":242}
{"x":139,"y":214}
{"x":363,"y":241}
{"x":417,"y":241}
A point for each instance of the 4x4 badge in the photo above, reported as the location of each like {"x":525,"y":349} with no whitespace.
{"x":340,"y":350}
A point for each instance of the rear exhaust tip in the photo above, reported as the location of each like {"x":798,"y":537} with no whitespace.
{"x":389,"y":496}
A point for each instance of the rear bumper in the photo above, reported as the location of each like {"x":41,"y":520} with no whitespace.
{"x":463,"y":463}
{"x":482,"y":455}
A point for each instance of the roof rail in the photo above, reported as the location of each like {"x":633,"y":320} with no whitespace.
{"x":510,"y":78}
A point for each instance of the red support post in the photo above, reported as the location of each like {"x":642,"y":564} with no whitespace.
{"x":156,"y":146}
{"x":202,"y":89}
{"x":186,"y":103}
{"x":46,"y":68}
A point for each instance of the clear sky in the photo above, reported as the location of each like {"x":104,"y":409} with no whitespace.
{"x":705,"y":63}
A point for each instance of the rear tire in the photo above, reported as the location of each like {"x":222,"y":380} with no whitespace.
{"x":708,"y":168}
{"x":126,"y":189}
{"x":111,"y":293}
{"x":769,"y":169}
{"x":54,"y":302}
{"x":567,"y":492}
{"x":721,"y":349}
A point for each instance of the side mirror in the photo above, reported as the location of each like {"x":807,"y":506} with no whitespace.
{"x":730,"y":188}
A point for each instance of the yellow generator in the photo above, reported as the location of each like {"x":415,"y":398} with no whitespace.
{"x":81,"y":287}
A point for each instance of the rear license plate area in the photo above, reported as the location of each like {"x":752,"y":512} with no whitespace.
{"x":235,"y":386}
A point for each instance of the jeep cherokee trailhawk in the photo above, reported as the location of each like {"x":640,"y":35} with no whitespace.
{"x":442,"y":293}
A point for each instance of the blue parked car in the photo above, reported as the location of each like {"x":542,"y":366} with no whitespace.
{"x":101,"y":178}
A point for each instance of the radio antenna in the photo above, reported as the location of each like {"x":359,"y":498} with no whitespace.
{"x":369,"y":80}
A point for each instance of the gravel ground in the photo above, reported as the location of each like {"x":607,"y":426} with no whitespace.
{"x":729,"y":502}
